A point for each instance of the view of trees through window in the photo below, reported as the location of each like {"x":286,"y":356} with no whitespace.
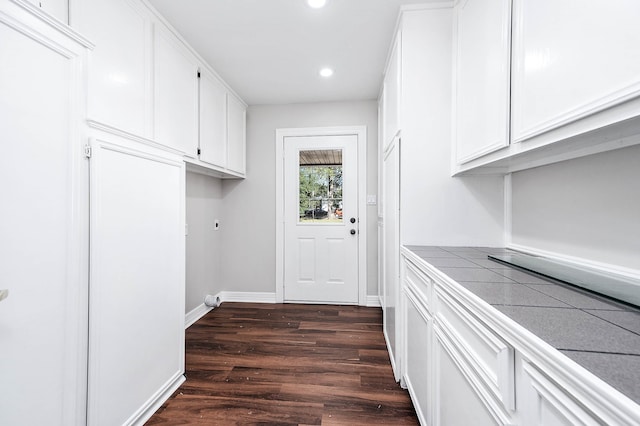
{"x":320,"y":193}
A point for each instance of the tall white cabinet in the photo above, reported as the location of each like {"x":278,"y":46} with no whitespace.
{"x":136,"y":315}
{"x":43,"y":221}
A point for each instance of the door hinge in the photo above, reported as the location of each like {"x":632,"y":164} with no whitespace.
{"x":87,"y":151}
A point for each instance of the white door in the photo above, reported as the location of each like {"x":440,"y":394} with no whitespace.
{"x":43,"y":242}
{"x":321,"y":219}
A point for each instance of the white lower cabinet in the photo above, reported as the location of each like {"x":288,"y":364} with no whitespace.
{"x":418,"y":370}
{"x":463,"y":365}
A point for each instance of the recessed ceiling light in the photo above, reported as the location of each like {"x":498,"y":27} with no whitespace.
{"x":316,"y":4}
{"x":326,"y":72}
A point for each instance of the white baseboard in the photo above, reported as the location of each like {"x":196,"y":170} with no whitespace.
{"x":149,"y":409}
{"x":247,"y":297}
{"x":373,"y":302}
{"x":606,"y":268}
{"x":251,"y":297}
{"x":195,"y":314}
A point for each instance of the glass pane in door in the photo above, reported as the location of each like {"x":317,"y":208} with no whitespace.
{"x":320,"y":186}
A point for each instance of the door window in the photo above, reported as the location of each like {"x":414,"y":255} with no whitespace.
{"x":320,"y":186}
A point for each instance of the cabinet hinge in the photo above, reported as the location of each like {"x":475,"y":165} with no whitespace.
{"x":199,"y":151}
{"x":198,"y":74}
{"x":87,"y":151}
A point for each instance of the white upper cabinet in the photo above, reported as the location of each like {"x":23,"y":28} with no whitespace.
{"x":236,"y":134}
{"x":574,"y":82}
{"x":572,"y":60}
{"x":213,"y":120}
{"x":482,"y":66}
{"x":175,"y":93}
{"x":118,"y":65}
{"x":391,"y":94}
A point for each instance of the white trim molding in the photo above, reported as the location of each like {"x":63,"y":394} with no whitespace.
{"x":373,"y":301}
{"x":247,"y":297}
{"x":361,"y":133}
{"x":195,"y":314}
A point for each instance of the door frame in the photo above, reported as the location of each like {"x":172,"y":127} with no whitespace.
{"x":361,"y":133}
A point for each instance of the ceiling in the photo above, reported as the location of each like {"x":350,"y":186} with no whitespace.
{"x":271,"y":51}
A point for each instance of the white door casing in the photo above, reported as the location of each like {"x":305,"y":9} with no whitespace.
{"x":321,"y":257}
{"x":359,"y":292}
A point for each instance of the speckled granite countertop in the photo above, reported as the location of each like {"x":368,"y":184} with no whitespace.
{"x":601,"y":335}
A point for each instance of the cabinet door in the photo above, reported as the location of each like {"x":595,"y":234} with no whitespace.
{"x":213,"y":120}
{"x":175,"y":94}
{"x":482,"y":67}
{"x":119,"y":63}
{"x":419,"y":352}
{"x":392,"y":93}
{"x":542,"y":402}
{"x":391,"y":252}
{"x":236,"y":135}
{"x":136,"y":304}
{"x":572,"y":60}
{"x":43,"y":234}
{"x":458,"y":402}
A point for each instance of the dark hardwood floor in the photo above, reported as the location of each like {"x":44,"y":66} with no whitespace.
{"x":287,"y":365}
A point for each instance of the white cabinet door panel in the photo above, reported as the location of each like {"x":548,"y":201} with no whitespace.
{"x":175,"y":94}
{"x":482,"y":77}
{"x":43,"y":244}
{"x":136,"y":305}
{"x":543,"y":402}
{"x":236,"y":135}
{"x":572,"y":59}
{"x":457,"y":398}
{"x":118,"y":65}
{"x":419,"y":353}
{"x":213,"y":120}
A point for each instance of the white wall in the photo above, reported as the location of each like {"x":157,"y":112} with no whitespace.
{"x":203,"y":244}
{"x":248,"y":227}
{"x":587,"y":207}
{"x":436,"y":208}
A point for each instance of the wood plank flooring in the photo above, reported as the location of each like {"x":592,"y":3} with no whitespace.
{"x":287,"y":365}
